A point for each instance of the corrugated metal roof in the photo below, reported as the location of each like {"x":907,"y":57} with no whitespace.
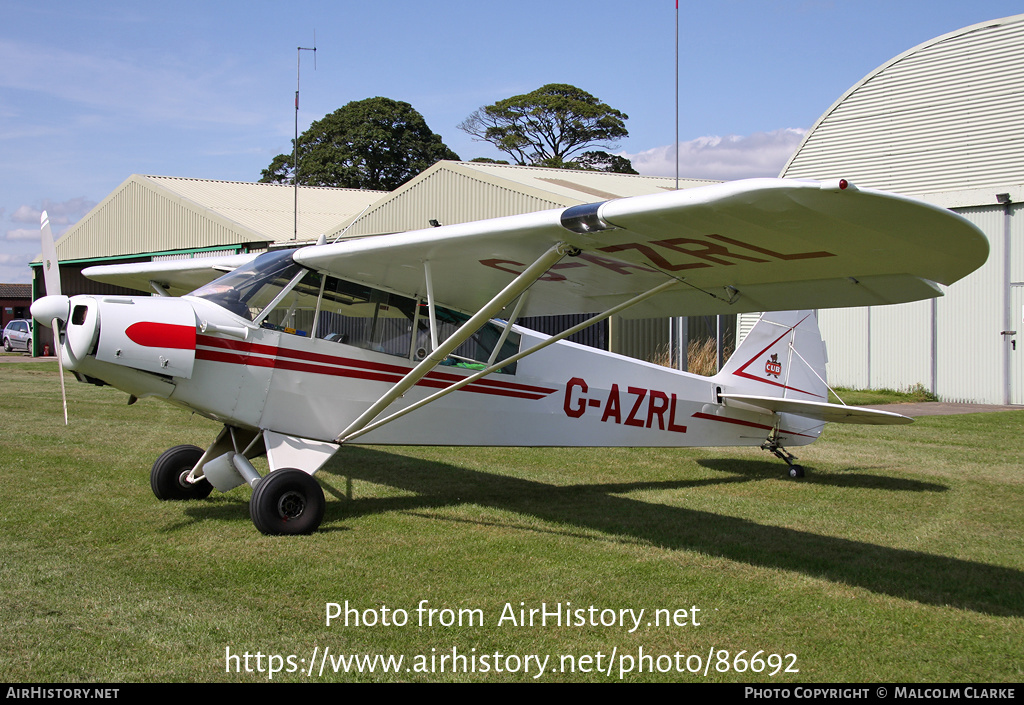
{"x":269,"y":209}
{"x":572,"y":187}
{"x":460,"y":192}
{"x":945,"y":115}
{"x":149,"y":214}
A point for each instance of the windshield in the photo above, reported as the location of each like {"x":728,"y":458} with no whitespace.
{"x":249,"y":289}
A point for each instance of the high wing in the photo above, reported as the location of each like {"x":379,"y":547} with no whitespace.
{"x":755,"y":245}
{"x":174,"y":277}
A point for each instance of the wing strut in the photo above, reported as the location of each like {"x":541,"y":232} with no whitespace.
{"x":516,"y":287}
{"x":344,"y":437}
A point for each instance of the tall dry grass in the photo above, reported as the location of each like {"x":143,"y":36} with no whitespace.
{"x":701,"y":357}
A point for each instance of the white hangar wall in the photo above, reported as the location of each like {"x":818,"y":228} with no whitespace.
{"x":944,"y":122}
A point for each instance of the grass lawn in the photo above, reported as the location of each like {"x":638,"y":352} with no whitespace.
{"x":899,"y":558}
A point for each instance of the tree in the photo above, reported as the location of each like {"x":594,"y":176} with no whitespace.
{"x":555,"y":125}
{"x":377,"y":143}
{"x":593,"y":161}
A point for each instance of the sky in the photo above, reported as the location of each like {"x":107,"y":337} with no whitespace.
{"x":92,"y":92}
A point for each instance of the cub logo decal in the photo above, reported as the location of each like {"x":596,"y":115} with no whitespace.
{"x":772,"y":367}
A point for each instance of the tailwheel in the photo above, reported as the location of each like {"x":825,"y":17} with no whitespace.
{"x":772,"y":446}
{"x":287,"y":501}
{"x":169,"y":473}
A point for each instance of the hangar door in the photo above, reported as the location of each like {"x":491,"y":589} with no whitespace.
{"x":1015,"y":339}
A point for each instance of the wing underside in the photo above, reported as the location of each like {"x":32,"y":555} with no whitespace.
{"x":767,"y":244}
{"x":764,"y":244}
{"x":176,"y":277}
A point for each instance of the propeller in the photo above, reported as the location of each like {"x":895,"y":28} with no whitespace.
{"x":54,"y":307}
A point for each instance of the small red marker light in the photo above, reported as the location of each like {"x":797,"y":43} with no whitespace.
{"x":843,"y":183}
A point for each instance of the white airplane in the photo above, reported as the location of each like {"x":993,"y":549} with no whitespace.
{"x":300,"y":351}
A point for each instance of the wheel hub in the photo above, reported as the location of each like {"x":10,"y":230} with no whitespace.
{"x":291,"y":505}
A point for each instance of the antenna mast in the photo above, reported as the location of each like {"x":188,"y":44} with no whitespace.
{"x":295,"y":145}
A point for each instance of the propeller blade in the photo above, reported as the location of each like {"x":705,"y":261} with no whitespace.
{"x":51,"y":270}
{"x":51,"y":276}
{"x":60,"y":367}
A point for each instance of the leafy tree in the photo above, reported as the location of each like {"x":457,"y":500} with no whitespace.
{"x":556,"y":125}
{"x":377,"y":143}
{"x":594,"y":161}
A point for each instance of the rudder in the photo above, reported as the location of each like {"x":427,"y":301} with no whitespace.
{"x":782,"y":356}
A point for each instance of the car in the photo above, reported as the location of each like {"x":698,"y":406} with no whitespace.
{"x":18,"y":335}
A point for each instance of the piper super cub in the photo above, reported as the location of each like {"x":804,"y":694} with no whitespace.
{"x":300,"y":351}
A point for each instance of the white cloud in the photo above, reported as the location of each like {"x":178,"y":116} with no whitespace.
{"x":60,"y":213}
{"x":14,"y":268}
{"x":26,"y":214}
{"x":22,"y":234}
{"x":724,"y":158}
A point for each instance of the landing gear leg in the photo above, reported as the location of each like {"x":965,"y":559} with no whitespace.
{"x":772,"y":446}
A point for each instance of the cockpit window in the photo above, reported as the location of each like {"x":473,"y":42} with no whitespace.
{"x":249,"y":289}
{"x":275,"y":292}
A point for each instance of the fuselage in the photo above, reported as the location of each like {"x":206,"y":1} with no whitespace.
{"x":277,"y":347}
{"x":563,"y":395}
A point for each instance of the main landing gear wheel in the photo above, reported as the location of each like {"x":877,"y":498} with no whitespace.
{"x":796,"y":471}
{"x":167,"y":478}
{"x":287,"y":501}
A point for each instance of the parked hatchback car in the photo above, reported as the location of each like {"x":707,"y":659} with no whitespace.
{"x":18,"y":335}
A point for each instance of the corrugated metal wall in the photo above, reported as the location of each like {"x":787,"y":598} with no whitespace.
{"x":641,"y":338}
{"x":953,"y":345}
{"x":135,"y":214}
{"x":970,"y":359}
{"x":595,"y":336}
{"x":847,"y":334}
{"x":448,"y":197}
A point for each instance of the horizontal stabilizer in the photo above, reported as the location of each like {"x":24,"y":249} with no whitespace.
{"x":831,"y":413}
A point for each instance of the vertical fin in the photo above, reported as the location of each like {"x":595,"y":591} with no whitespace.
{"x":782,"y":356}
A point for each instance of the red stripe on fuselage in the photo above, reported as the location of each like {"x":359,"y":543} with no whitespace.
{"x":740,"y":422}
{"x":162,"y":335}
{"x":243,"y":353}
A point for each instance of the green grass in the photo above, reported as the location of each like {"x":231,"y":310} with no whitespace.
{"x":860,"y":397}
{"x":899,"y":558}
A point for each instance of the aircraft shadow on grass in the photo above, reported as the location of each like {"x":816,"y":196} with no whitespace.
{"x":922,"y":577}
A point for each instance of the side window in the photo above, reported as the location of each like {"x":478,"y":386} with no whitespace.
{"x":477,"y":352}
{"x":359,"y":315}
{"x":294,"y":314}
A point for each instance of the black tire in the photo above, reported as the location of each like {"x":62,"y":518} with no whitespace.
{"x":288,"y":502}
{"x":7,"y":345}
{"x":167,"y":478}
{"x":796,"y":471}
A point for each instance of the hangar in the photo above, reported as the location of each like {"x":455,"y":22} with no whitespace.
{"x":943,"y":122}
{"x":152,"y":218}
